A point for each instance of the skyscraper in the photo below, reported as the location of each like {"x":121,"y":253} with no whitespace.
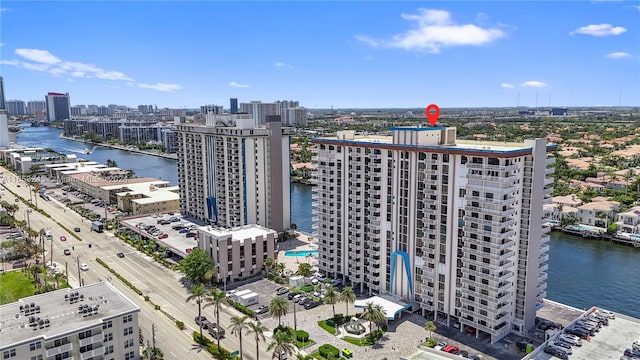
{"x":234,"y":105}
{"x":453,"y":226}
{"x":35,"y":106}
{"x":260,"y":110}
{"x":3,"y":106}
{"x":232,"y":173}
{"x":58,"y":106}
{"x":15,"y":107}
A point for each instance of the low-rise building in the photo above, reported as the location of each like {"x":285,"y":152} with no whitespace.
{"x":92,"y":322}
{"x":599,"y":213}
{"x":239,"y":251}
{"x":629,"y":221}
{"x":33,"y":160}
{"x":568,"y":200}
{"x":145,"y":197}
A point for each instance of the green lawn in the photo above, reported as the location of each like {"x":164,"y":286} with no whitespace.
{"x":330,"y":329}
{"x":302,"y":345}
{"x":13,"y":286}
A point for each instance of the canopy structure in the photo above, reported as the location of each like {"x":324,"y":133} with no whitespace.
{"x":391,"y":306}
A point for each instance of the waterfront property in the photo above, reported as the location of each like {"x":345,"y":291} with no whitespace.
{"x":454,"y":226}
{"x":231,"y":173}
{"x":27,"y":160}
{"x":90,"y":322}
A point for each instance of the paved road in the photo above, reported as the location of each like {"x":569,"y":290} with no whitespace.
{"x":162,"y":285}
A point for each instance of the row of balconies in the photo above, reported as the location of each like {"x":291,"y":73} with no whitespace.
{"x":509,"y":168}
{"x":493,"y":244}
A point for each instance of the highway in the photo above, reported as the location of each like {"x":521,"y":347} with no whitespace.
{"x":162,"y":285}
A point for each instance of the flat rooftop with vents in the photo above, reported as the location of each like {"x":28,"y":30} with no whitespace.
{"x":61,"y":313}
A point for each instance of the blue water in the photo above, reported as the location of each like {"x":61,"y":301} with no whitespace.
{"x":582,"y":272}
{"x":301,"y":253}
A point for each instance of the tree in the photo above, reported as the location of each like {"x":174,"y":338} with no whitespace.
{"x":239,"y":324}
{"x":347,"y":296}
{"x":198,"y":294}
{"x":211,"y":274}
{"x":304,"y":269}
{"x":268,"y":263}
{"x":372,"y":314}
{"x":279,"y":307}
{"x":331,"y":297}
{"x":430,"y":327}
{"x":196,"y":265}
{"x":282,"y":343}
{"x":130,"y":173}
{"x":380,"y":313}
{"x":279,"y":268}
{"x":111,"y":163}
{"x":257,"y":330}
{"x":217,"y":298}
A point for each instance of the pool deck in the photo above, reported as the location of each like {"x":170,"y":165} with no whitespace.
{"x":301,"y":242}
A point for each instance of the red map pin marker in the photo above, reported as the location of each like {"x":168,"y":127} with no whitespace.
{"x":433,"y":117}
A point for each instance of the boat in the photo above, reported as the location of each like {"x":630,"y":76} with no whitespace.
{"x":88,"y":151}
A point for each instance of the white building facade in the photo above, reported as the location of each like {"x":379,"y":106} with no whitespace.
{"x":455,"y":227}
{"x":92,"y":322}
{"x":232,"y":173}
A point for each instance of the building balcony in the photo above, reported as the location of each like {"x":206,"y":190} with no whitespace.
{"x":492,"y":167}
{"x":91,"y":354}
{"x":59,"y":349}
{"x":544,"y":249}
{"x":543,"y":258}
{"x":92,"y":340}
{"x":543,"y":267}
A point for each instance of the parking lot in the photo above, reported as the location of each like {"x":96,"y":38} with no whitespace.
{"x":265,"y":289}
{"x":176,"y":240}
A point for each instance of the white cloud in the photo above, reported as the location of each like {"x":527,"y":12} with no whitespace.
{"x":436,"y":30}
{"x":280,"y":65}
{"x":37,"y":55}
{"x":600,"y":30}
{"x":533,"y":83}
{"x":237,"y":85}
{"x":618,"y":55}
{"x":161,"y":87}
{"x":637,"y":7}
{"x":506,"y":86}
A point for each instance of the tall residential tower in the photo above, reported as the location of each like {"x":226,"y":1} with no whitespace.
{"x":232,"y":173}
{"x":453,"y":226}
{"x":58,"y":106}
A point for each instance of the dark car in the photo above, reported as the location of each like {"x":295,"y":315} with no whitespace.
{"x":67,"y":252}
{"x":202,"y":320}
{"x":291,"y":295}
{"x":579,"y":332}
{"x":312,"y":304}
{"x":190,"y":234}
{"x":262,"y":309}
{"x":120,"y":254}
{"x":556,"y":352}
{"x":632,"y":353}
{"x":282,"y":290}
{"x":76,"y":229}
{"x":306,"y":301}
{"x":463,"y":353}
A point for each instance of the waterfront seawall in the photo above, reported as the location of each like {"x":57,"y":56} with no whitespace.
{"x":124,"y":148}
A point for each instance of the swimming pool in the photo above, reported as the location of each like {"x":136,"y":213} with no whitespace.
{"x":301,"y":253}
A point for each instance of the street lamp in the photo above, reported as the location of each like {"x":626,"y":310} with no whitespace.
{"x":27,"y":212}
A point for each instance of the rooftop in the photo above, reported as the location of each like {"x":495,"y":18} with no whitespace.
{"x":391,"y":306}
{"x":61,"y":312}
{"x":237,"y":233}
{"x":152,"y":189}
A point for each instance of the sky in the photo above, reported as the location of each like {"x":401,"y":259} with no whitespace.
{"x":354,"y":54}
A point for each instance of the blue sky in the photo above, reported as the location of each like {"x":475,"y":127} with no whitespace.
{"x":341,"y":54}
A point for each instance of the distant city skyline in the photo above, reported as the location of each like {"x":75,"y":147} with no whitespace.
{"x":324,"y":54}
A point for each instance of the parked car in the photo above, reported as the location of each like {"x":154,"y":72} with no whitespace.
{"x":282,"y":290}
{"x":451,"y":349}
{"x":190,"y":234}
{"x":562,"y":346}
{"x":556,"y":352}
{"x":67,"y":252}
{"x":231,"y":292}
{"x":291,"y":295}
{"x":76,"y":229}
{"x":579,"y":332}
{"x":441,"y":345}
{"x":632,"y":353}
{"x":571,"y":339}
{"x":312,"y":304}
{"x":262,"y":309}
{"x":202,"y":320}
{"x":463,"y":353}
{"x":84,"y":267}
{"x":183,"y":231}
{"x":606,"y":313}
{"x":636,"y":345}
{"x":163,"y":236}
{"x":120,"y":254}
{"x":297,"y":297}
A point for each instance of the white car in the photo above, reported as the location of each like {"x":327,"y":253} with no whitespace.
{"x":84,"y":267}
{"x":606,"y":313}
{"x":636,"y":345}
{"x":571,"y":339}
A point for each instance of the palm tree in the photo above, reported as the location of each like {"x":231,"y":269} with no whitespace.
{"x":268,"y":263}
{"x":331,"y":297}
{"x":430,"y":327}
{"x":380,"y":313}
{"x":304,"y":269}
{"x":282,"y":343}
{"x":111,"y":163}
{"x":279,"y":268}
{"x":279,"y":307}
{"x":372,"y":313}
{"x":239,"y":324}
{"x":198,"y":294}
{"x":131,"y":173}
{"x":257,"y":330}
{"x":217,"y":298}
{"x":347,"y":296}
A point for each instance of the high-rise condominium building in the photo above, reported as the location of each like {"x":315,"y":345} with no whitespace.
{"x":15,"y":107}
{"x":260,"y":110}
{"x":233,"y":102}
{"x":3,"y":105}
{"x":58,"y":106}
{"x":232,"y":173}
{"x":213,"y":109}
{"x":35,"y":106}
{"x":92,"y":322}
{"x":453,"y":226}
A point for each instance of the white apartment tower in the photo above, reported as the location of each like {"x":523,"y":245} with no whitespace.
{"x":92,"y":322}
{"x":232,"y":173}
{"x":453,"y":226}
